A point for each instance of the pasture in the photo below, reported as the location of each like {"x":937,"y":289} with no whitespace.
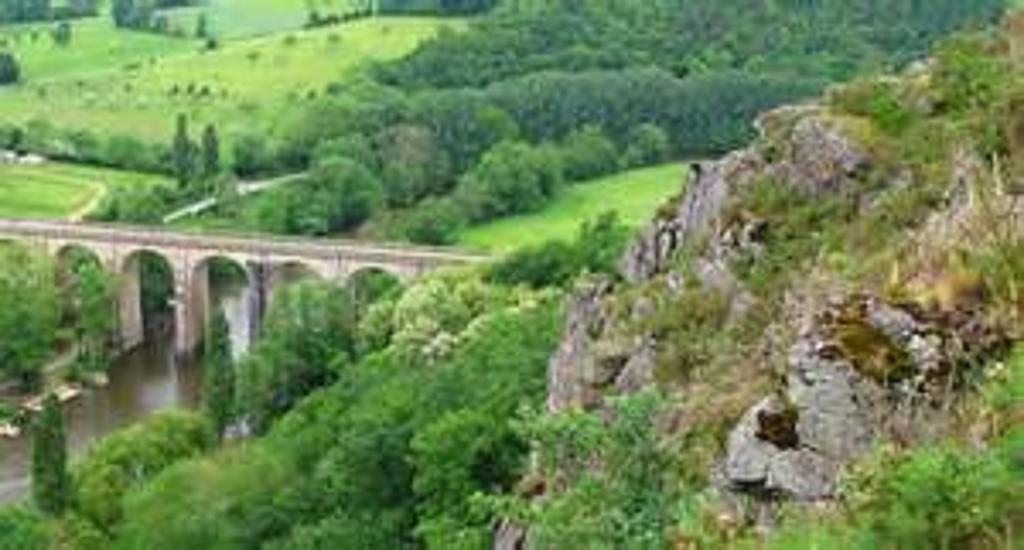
{"x":634,"y":195}
{"x":231,"y":19}
{"x":60,"y":191}
{"x":243,"y":85}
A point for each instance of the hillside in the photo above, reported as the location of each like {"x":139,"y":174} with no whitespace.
{"x":116,"y":82}
{"x":812,"y":339}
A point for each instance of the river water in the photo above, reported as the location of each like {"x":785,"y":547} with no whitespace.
{"x":142,"y":382}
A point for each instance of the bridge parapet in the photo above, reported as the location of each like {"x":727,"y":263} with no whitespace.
{"x":264,"y":245}
{"x":188,"y":254}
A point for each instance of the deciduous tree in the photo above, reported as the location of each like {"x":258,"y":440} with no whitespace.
{"x":51,"y":485}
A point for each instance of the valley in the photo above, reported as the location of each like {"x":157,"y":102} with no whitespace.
{"x":511,"y":274}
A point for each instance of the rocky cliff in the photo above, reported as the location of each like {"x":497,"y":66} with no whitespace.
{"x":842,"y":362}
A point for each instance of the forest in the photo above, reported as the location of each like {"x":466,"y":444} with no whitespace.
{"x":851,"y":264}
{"x":571,"y":80}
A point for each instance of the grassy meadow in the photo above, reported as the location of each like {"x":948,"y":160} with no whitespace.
{"x":634,"y":195}
{"x":230,"y":19}
{"x":115,"y":81}
{"x":57,"y":190}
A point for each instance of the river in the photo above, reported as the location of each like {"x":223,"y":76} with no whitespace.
{"x":142,"y":382}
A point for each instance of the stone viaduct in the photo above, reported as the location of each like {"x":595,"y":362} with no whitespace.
{"x":266,"y":261}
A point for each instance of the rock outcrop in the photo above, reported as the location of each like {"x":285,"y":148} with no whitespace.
{"x":861,"y":371}
{"x":857,"y":369}
{"x":799,"y":146}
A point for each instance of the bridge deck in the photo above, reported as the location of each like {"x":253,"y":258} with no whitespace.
{"x":226,"y":242}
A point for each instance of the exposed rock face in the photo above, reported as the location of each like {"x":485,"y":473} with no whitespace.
{"x":700,"y":209}
{"x":798,"y":147}
{"x":821,"y":159}
{"x":595,"y":354}
{"x":836,"y":406}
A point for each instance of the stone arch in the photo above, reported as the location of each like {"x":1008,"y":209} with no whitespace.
{"x":203,"y":292}
{"x":67,"y":258}
{"x":293,"y":271}
{"x":368,"y":284}
{"x":137,"y":270}
{"x":71,"y":251}
{"x":282,"y":274}
{"x":364,"y":268}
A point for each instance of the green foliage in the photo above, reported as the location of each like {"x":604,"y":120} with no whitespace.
{"x":596,"y":249}
{"x":367,"y":462}
{"x":183,"y":152}
{"x":252,"y":155}
{"x":612,"y":488}
{"x":29,"y":314}
{"x":219,"y":375}
{"x":10,"y":71}
{"x":691,"y":328}
{"x":414,"y":165}
{"x":51,"y":484}
{"x":309,"y":331}
{"x":23,"y":529}
{"x":222,"y":502}
{"x":210,"y":153}
{"x":886,"y":102}
{"x":434,"y":222}
{"x":646,"y":145}
{"x":511,"y":178}
{"x":130,"y":458}
{"x":587,"y":153}
{"x":92,"y":297}
{"x":967,"y":77}
{"x":941,"y":495}
{"x":796,"y":228}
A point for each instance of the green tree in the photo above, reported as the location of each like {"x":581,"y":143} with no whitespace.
{"x":129,"y":458}
{"x":62,"y":33}
{"x":647,"y":144}
{"x":348,"y":191}
{"x":219,"y":373}
{"x":434,"y":222}
{"x":51,"y":485}
{"x":183,"y":152}
{"x":588,"y":153}
{"x":10,"y":71}
{"x":511,"y":178}
{"x":24,"y":529}
{"x":623,"y":503}
{"x":29,"y":314}
{"x":252,"y":155}
{"x":93,"y":303}
{"x":210,"y":152}
{"x":202,"y":26}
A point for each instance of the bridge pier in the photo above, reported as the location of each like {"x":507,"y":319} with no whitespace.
{"x":130,"y":325}
{"x":266,"y":260}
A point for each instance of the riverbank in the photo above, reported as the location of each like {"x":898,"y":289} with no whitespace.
{"x":141,"y":383}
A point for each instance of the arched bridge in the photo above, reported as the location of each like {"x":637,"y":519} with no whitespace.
{"x":264,"y":259}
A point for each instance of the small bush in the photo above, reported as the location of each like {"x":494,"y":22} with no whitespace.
{"x":938,"y":497}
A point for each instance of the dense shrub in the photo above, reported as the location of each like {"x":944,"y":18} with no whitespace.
{"x":24,"y":529}
{"x":512,"y":178}
{"x":129,"y":459}
{"x":434,"y":222}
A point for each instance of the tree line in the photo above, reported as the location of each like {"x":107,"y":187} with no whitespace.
{"x":24,"y":11}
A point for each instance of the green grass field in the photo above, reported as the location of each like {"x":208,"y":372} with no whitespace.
{"x":96,"y":45}
{"x":635,"y":195}
{"x":137,"y":85}
{"x":228,"y":19}
{"x":56,"y":190}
